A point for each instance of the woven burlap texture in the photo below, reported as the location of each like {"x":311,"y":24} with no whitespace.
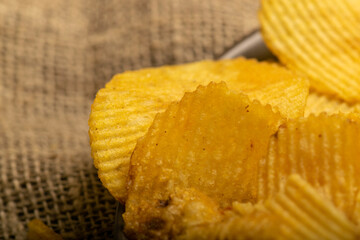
{"x":54,"y":56}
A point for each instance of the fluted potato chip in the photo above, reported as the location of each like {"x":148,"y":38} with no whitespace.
{"x":298,"y":211}
{"x":319,"y":39}
{"x":211,"y":141}
{"x":318,"y":103}
{"x":304,"y":214}
{"x":255,"y":225}
{"x":324,"y":150}
{"x":123,"y":111}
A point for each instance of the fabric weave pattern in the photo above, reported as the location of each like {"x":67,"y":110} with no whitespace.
{"x":54,"y":56}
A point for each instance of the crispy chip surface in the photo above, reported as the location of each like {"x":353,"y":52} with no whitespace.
{"x":318,"y":103}
{"x":123,"y":111}
{"x":305,"y":214}
{"x":324,"y":150}
{"x":319,"y":39}
{"x":211,"y":141}
{"x":39,"y":231}
{"x":255,"y":225}
{"x":298,"y":211}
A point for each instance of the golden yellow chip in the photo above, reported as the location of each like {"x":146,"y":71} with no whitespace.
{"x":211,"y":141}
{"x":324,"y":150}
{"x":319,"y":39}
{"x":124,"y":110}
{"x":305,"y":214}
{"x":356,"y":216}
{"x":298,"y":211}
{"x":318,"y":103}
{"x":256,"y":225}
{"x":39,"y":231}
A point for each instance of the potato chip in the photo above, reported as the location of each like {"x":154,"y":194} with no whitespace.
{"x":319,"y":39}
{"x":319,"y":103}
{"x":39,"y":231}
{"x":305,"y":214}
{"x":324,"y":150}
{"x":211,"y":141}
{"x":182,"y":209}
{"x":356,"y":216}
{"x":243,"y":209}
{"x":298,"y":211}
{"x":124,"y":110}
{"x":256,"y":225}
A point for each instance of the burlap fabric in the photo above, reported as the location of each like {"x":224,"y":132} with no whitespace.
{"x":54,"y":56}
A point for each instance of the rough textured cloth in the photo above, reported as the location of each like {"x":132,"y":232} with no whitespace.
{"x":54,"y":56}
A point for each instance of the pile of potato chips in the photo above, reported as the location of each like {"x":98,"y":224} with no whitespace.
{"x":240,"y":149}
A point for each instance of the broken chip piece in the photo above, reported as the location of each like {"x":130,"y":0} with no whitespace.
{"x":39,"y":231}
